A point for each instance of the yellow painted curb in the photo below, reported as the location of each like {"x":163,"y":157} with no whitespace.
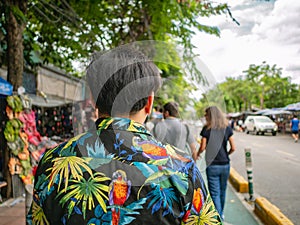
{"x":269,"y":213}
{"x":238,"y":182}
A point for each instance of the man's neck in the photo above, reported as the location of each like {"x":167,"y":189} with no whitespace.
{"x":171,"y":117}
{"x":139,"y":117}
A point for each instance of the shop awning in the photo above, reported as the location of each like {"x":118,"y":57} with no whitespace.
{"x":293,"y":107}
{"x":5,"y":87}
{"x":234,"y":115}
{"x":42,"y":102}
{"x":276,"y":112}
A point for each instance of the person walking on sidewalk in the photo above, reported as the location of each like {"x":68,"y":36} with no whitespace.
{"x":295,"y":128}
{"x":173,"y":131}
{"x":120,"y":174}
{"x":215,"y":135}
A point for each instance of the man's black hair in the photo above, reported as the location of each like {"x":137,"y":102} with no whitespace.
{"x":172,"y":108}
{"x":121,"y":80}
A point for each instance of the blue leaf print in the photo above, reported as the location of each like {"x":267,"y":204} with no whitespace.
{"x":106,"y":217}
{"x":137,"y":204}
{"x":69,"y":151}
{"x":96,"y":162}
{"x":77,"y":210}
{"x":117,"y":136}
{"x":156,"y":206}
{"x":98,"y":151}
{"x":93,"y":221}
{"x":166,"y":212}
{"x":101,"y":217}
{"x":131,"y":209}
{"x":82,"y":138}
{"x":162,"y":198}
{"x":123,"y":152}
{"x":98,"y":211}
{"x":42,"y":186}
{"x":29,"y":219}
{"x":123,"y":122}
{"x":129,"y":157}
{"x":133,"y":149}
{"x":64,"y":219}
{"x":147,"y":170}
{"x":41,"y":180}
{"x":126,"y":220}
{"x":156,"y":197}
{"x":180,"y":182}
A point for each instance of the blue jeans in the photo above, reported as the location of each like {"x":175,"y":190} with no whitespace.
{"x":217,"y":176}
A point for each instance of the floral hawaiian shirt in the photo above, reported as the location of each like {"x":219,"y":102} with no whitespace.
{"x":119,"y":174}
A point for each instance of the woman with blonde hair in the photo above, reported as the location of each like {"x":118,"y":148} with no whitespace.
{"x":215,"y":135}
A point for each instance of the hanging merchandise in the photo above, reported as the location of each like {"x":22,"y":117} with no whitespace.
{"x":24,"y":141}
{"x":15,"y":103}
{"x":28,"y":119}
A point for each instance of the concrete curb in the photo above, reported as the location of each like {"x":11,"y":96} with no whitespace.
{"x":238,"y":182}
{"x":268,"y":213}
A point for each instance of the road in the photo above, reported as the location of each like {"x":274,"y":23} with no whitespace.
{"x":276,"y":169}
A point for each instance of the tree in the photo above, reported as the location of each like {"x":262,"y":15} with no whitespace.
{"x":62,"y":31}
{"x":214,"y":96}
{"x":271,"y":89}
{"x":14,"y":20}
{"x":260,"y":86}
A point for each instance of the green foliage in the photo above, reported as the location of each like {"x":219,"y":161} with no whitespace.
{"x":270,"y":88}
{"x":60,"y":32}
{"x":177,"y":89}
{"x":260,"y":86}
{"x":64,"y":31}
{"x":214,"y":96}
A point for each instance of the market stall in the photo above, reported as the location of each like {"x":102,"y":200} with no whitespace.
{"x":6,"y":89}
{"x":25,"y":144}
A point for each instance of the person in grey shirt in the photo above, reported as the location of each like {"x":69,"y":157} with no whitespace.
{"x":173,"y":131}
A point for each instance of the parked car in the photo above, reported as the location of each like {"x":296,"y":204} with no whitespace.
{"x":260,"y":125}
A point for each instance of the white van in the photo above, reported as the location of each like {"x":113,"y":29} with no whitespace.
{"x":260,"y":124}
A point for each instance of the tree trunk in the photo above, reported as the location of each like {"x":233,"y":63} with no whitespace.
{"x":15,"y":25}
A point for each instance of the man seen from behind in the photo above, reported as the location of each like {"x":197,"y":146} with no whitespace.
{"x":120,"y":174}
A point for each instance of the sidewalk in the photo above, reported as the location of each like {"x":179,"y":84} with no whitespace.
{"x":237,"y":210}
{"x":12,"y":212}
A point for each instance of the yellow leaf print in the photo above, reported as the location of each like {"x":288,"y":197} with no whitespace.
{"x":208,"y":215}
{"x":38,"y":216}
{"x":132,"y":126}
{"x":64,"y":167}
{"x":105,"y":123}
{"x":72,"y":140}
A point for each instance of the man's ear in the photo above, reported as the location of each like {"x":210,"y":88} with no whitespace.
{"x":92,"y":100}
{"x":148,"y":107}
{"x":166,"y":113}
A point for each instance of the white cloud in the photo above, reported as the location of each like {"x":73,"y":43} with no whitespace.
{"x":282,"y":24}
{"x":269,"y":31}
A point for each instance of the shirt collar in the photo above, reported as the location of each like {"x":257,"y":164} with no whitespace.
{"x":119,"y":123}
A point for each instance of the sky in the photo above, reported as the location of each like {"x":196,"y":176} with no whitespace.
{"x":268,"y":31}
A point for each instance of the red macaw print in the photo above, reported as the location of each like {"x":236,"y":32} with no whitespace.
{"x":119,"y":191}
